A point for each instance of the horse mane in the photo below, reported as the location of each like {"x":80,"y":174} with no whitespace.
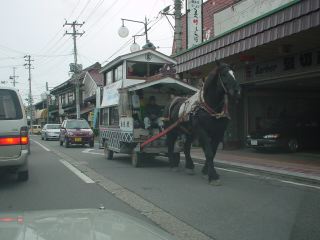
{"x":212,"y":76}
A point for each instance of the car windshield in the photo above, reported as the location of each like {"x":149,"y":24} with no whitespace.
{"x":9,"y":105}
{"x":53,"y":126}
{"x":75,"y":124}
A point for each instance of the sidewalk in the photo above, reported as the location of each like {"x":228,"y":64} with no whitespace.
{"x":300,"y":166}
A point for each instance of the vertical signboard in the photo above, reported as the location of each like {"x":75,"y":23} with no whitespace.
{"x":194,"y":22}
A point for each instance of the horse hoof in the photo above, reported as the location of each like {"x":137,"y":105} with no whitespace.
{"x":175,"y":169}
{"x":190,"y":171}
{"x":215,"y":182}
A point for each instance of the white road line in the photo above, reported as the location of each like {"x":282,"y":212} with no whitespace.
{"x":45,"y":148}
{"x":73,"y":169}
{"x":300,"y":184}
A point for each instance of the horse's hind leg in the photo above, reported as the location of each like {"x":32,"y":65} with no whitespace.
{"x":173,"y":161}
{"x":189,"y":163}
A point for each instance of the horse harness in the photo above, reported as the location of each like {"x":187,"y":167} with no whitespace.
{"x":197,"y":101}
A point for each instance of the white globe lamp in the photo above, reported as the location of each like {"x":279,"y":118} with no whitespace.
{"x":123,"y":31}
{"x":134,"y":47}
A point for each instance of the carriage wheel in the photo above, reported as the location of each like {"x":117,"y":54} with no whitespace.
{"x":108,"y":154}
{"x":136,"y":159}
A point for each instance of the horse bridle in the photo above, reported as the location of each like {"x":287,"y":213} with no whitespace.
{"x":211,"y":111}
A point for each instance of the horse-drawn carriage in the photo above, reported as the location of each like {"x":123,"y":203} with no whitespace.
{"x":131,"y":80}
{"x":204,"y":115}
{"x":126,"y":132}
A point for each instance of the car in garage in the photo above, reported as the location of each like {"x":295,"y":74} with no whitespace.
{"x":14,"y":137}
{"x":50,"y":131}
{"x":76,"y":131}
{"x":290,"y":134}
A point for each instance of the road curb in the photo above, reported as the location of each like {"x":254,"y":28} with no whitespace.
{"x":301,"y":177}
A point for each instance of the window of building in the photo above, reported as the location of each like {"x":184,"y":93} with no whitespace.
{"x":143,"y":69}
{"x":137,"y":69}
{"x":66,"y":98}
{"x":71,"y":97}
{"x":63,"y":99}
{"x":118,"y":73}
{"x":154,"y":68}
{"x":109,"y":79}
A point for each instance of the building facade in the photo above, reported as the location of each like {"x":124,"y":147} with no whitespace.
{"x":63,"y":100}
{"x":275,"y":49}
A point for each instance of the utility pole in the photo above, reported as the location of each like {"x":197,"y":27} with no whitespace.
{"x":13,"y":77}
{"x":74,"y":34}
{"x":178,"y":26}
{"x":28,"y":66}
{"x":48,"y":100}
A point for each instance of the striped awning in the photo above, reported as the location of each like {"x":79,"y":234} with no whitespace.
{"x":296,"y":18}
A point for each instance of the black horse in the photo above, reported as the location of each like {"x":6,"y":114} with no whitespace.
{"x":205,"y":116}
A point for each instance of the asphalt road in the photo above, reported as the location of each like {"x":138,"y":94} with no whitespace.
{"x":52,"y":185}
{"x":245,"y":207}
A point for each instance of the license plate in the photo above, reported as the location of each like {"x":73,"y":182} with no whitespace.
{"x":254,"y":142}
{"x":77,"y":139}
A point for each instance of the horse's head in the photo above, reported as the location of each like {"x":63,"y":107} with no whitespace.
{"x":228,"y":81}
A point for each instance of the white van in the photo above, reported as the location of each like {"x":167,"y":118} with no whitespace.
{"x":14,"y":137}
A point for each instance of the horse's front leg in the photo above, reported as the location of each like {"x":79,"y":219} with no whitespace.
{"x":173,"y":161}
{"x":186,"y":149}
{"x":209,"y":153}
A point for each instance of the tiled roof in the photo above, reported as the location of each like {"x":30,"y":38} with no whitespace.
{"x":96,"y":76}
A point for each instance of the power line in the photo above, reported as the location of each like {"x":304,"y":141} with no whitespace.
{"x":94,"y":10}
{"x":103,"y":14}
{"x":74,"y":8}
{"x":84,"y":8}
{"x":103,"y":26}
{"x":11,"y":49}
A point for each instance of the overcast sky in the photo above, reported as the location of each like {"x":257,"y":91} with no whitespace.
{"x":35,"y":27}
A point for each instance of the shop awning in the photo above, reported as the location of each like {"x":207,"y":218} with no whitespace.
{"x":296,"y":18}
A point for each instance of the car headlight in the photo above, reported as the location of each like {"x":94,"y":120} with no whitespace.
{"x":90,"y":133}
{"x":272,"y":136}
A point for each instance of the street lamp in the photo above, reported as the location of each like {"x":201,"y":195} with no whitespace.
{"x":124,"y":32}
{"x":135,"y":46}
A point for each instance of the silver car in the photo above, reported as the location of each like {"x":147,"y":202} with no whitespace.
{"x":14,"y":137}
{"x":74,"y":224}
{"x":50,"y":131}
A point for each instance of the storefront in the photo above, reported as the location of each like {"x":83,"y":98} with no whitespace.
{"x":276,"y":59}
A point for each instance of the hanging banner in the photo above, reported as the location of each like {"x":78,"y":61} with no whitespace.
{"x":194,"y":22}
{"x":111,"y":94}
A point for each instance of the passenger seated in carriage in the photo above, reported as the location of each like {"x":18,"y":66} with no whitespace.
{"x":152,"y":115}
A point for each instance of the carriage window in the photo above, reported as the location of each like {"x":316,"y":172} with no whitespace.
{"x":154,"y":68}
{"x":104,"y":116}
{"x":137,"y":69}
{"x":114,"y":116}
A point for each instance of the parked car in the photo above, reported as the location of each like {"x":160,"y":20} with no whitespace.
{"x":36,"y":129}
{"x":14,"y":137}
{"x":76,"y":131}
{"x":50,"y":131}
{"x":290,"y":134}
